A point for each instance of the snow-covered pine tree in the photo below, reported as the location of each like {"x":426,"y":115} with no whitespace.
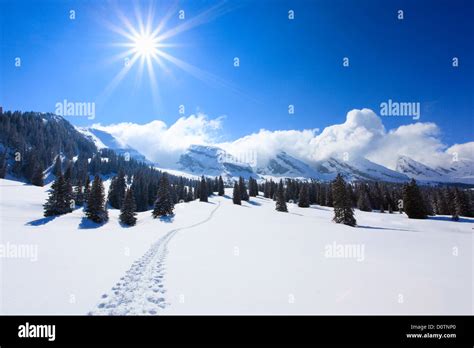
{"x":303,"y":198}
{"x":117,"y":190}
{"x":220,"y":186}
{"x":56,"y":202}
{"x":413,"y":202}
{"x":236,"y":195}
{"x":243,"y":190}
{"x":163,"y":203}
{"x":280,"y":198}
{"x":203,"y":190}
{"x":343,"y":212}
{"x":96,"y":210}
{"x":128,"y":207}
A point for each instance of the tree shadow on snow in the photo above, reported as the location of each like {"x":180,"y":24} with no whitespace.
{"x":254,"y":203}
{"x":87,"y":224}
{"x":448,"y":218}
{"x":125,"y":225}
{"x":167,"y":218}
{"x":385,"y":228}
{"x":42,"y":221}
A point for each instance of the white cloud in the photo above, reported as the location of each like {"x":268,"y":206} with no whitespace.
{"x":462,"y":151}
{"x":163,"y":144}
{"x":362,"y":134}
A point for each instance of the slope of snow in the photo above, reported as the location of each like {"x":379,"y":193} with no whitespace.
{"x":76,"y":261}
{"x":220,"y":258}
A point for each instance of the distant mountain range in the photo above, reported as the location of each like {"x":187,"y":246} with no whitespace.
{"x":212,"y":161}
{"x":199,"y":160}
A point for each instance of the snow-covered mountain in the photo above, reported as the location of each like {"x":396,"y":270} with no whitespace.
{"x":358,"y":168}
{"x":287,"y":166}
{"x":104,"y":140}
{"x":458,"y":171}
{"x":213,"y":161}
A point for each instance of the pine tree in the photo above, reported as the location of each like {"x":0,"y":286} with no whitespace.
{"x":442,"y":206}
{"x":266,"y":189}
{"x":253,"y":187}
{"x":181,"y":195}
{"x":79,"y":194}
{"x":343,"y":212}
{"x":220,"y":186}
{"x":128,"y":207}
{"x":280,"y":198}
{"x":236,"y":195}
{"x":190,"y":196}
{"x":87,"y":188}
{"x":37,"y":176}
{"x":461,"y":203}
{"x":329,"y":197}
{"x":363,"y":203}
{"x":413,"y":201}
{"x":163,"y":203}
{"x":117,"y":190}
{"x":203,"y":190}
{"x":68,"y":188}
{"x":96,"y":207}
{"x":56,"y":202}
{"x":303,"y":201}
{"x":3,"y":165}
{"x":243,"y":190}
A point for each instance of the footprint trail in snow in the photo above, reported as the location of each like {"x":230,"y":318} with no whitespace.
{"x":141,"y":290}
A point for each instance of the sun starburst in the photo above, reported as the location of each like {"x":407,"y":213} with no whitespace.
{"x":146,"y":43}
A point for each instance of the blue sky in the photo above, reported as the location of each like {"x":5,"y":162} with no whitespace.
{"x":282,"y":62}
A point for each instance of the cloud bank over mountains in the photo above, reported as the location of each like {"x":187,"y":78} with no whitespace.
{"x":362,"y":134}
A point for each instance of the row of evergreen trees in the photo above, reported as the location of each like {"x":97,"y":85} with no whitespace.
{"x":123,"y":195}
{"x":124,"y":192}
{"x":381,"y":196}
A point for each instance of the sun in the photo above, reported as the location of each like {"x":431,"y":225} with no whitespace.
{"x":145,"y":45}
